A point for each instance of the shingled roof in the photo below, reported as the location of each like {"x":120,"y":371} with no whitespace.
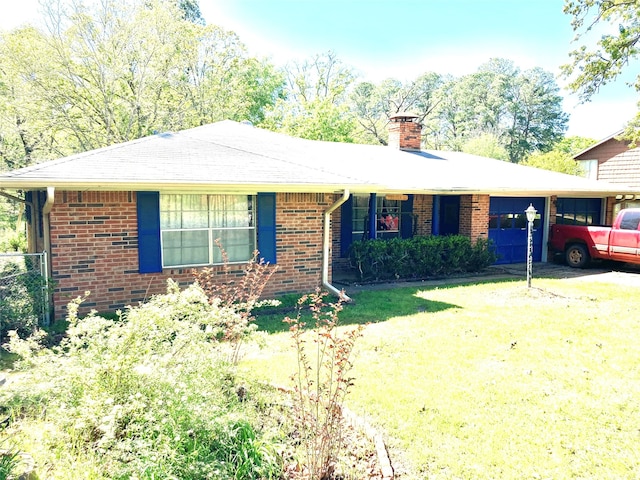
{"x":231,"y":156}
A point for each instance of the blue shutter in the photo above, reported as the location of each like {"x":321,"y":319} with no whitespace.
{"x":406,"y":223}
{"x":346,"y":226}
{"x":149,"y":255}
{"x":266,"y":210}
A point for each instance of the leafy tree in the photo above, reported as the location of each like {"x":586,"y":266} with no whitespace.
{"x":535,"y":115}
{"x":522,"y":109}
{"x":592,"y":68}
{"x":313,"y":104}
{"x":116,"y":70}
{"x":560,"y":159}
{"x":28,"y":128}
{"x":486,"y":145}
{"x":374,"y":105}
{"x":574,"y":145}
{"x":191,"y":11}
{"x":555,"y":161}
{"x":220,"y":81}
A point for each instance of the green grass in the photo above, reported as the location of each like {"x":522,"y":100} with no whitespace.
{"x":495,"y":380}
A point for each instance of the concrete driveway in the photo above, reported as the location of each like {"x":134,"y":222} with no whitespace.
{"x":609,"y":272}
{"x":606,"y":272}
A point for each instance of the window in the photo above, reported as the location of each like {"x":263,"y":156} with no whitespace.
{"x":589,"y":168}
{"x":630,"y":221}
{"x":191,"y":224}
{"x":578,"y":211}
{"x":387,"y":214}
{"x":507,"y":221}
{"x":360,"y":219}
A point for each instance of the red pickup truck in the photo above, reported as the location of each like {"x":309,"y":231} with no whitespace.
{"x":580,"y":244}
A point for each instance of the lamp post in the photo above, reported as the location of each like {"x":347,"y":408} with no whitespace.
{"x":531,"y":216}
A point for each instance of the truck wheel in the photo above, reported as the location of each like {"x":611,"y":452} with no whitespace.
{"x":577,"y":256}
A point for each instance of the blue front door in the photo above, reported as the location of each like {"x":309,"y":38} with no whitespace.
{"x":508,"y":228}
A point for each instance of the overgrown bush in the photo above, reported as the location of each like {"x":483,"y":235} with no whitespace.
{"x":240,"y":293}
{"x":321,"y":383}
{"x":419,"y":257}
{"x":22,"y":298}
{"x":148,"y":395}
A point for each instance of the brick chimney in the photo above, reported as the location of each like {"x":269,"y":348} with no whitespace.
{"x":404,"y":131}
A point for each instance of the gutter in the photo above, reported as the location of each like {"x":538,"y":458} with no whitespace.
{"x":326,"y":250}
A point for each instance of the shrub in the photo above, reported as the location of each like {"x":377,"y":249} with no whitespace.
{"x":238,"y":294}
{"x":148,"y":395}
{"x":321,"y":383}
{"x":419,"y":257}
{"x":22,"y":298}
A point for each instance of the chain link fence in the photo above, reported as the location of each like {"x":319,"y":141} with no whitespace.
{"x":24,"y":291}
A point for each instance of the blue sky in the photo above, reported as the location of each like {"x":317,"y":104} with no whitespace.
{"x":404,"y":38}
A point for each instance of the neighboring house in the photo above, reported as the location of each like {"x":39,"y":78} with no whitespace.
{"x":119,"y":221}
{"x":613,"y":161}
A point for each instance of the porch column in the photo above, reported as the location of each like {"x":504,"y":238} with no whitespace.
{"x":474,"y":216}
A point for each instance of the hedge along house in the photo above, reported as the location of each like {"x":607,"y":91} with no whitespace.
{"x":119,"y":221}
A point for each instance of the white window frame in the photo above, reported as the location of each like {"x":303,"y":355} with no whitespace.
{"x":589,"y":168}
{"x":211,"y":231}
{"x":383,"y":207}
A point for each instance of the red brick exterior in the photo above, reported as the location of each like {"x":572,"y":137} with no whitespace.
{"x":474,"y":216}
{"x":299,"y":225}
{"x":94,"y":242}
{"x":405,"y":135}
{"x":423,"y":214}
{"x":610,"y":210}
{"x":553,"y":209}
{"x":94,"y":245}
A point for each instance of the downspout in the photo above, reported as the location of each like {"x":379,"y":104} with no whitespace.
{"x":46,"y":209}
{"x":326,"y":247}
{"x":46,"y":235}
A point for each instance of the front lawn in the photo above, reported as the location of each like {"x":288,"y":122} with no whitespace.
{"x":494,"y":380}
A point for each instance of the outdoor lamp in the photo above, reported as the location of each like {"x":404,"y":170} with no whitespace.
{"x":531,"y":216}
{"x":531,"y":213}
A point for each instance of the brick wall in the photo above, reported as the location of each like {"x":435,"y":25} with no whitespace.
{"x":553,"y":210}
{"x":474,"y":216}
{"x":610,"y":210}
{"x":299,"y":223}
{"x":423,"y":214}
{"x":94,"y":245}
